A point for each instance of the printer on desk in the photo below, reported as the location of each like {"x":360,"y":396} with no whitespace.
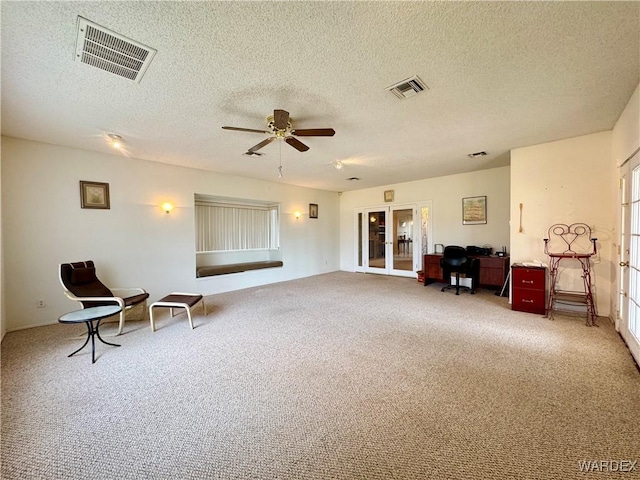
{"x":479,"y":251}
{"x":486,"y":251}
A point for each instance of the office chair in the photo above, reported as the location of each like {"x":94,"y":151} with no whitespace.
{"x":456,"y":260}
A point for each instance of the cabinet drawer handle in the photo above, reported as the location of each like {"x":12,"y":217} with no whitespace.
{"x":527,"y":281}
{"x":524,"y":300}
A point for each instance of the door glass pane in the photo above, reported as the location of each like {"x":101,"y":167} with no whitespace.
{"x":634,"y":257}
{"x":377,"y":245}
{"x":424,"y":230}
{"x":359,"y":239}
{"x":402,"y":241}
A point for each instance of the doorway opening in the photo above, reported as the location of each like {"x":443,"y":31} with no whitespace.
{"x":628,"y":322}
{"x":390,"y":240}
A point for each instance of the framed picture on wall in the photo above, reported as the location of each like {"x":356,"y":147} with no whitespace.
{"x":388,"y":195}
{"x":94,"y":195}
{"x":313,"y":210}
{"x":474,"y":210}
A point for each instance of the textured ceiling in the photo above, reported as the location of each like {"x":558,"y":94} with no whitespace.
{"x":501,"y":75}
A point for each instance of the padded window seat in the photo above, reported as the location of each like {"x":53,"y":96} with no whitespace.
{"x":236,"y":268}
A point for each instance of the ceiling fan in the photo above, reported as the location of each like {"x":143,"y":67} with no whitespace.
{"x":280,"y":125}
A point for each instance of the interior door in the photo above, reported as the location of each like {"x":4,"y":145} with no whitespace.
{"x":376,"y":243}
{"x":629,"y":323}
{"x":387,"y":241}
{"x":402,"y":257}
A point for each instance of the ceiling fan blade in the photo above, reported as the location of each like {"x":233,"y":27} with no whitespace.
{"x":297,"y":144}
{"x":314,"y":132}
{"x":263,"y":143}
{"x":280,"y":119}
{"x":238,"y":129}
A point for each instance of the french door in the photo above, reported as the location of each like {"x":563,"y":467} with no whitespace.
{"x":629,"y":322}
{"x":389,"y":239}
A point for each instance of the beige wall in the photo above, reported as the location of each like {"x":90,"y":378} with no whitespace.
{"x":567,"y":181}
{"x":445,"y":195}
{"x":137,"y":244}
{"x":134,"y":243}
{"x":626,"y":132}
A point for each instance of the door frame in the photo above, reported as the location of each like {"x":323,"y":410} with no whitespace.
{"x":627,"y":252}
{"x":361,"y":243}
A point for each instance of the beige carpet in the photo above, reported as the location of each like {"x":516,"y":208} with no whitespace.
{"x":338,"y":376}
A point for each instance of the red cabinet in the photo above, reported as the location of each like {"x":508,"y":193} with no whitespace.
{"x":529,"y":289}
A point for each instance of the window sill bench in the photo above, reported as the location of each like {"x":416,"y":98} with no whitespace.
{"x":235,"y":268}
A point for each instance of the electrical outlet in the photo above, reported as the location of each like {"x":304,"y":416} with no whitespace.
{"x":40,"y":304}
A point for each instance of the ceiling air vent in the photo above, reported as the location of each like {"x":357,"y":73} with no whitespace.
{"x":102,"y":48}
{"x":408,"y":88}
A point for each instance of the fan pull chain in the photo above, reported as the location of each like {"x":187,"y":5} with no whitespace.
{"x":280,"y":167}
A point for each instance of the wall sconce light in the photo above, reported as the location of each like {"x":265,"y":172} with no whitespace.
{"x":297,"y":214}
{"x":167,"y":207}
{"x":116,"y":140}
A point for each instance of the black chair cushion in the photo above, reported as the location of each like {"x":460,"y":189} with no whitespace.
{"x":82,"y":276}
{"x":81,"y":280}
{"x":455,"y":258}
{"x":136,"y":299}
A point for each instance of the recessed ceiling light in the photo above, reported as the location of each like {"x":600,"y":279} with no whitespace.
{"x":338,"y":165}
{"x":477,"y":154}
{"x":351,"y":179}
{"x":116,"y":140}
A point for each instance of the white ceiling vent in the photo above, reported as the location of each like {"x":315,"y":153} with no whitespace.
{"x":110,"y":51}
{"x":408,"y":88}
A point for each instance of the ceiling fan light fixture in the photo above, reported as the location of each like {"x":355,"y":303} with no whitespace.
{"x":281,"y":127}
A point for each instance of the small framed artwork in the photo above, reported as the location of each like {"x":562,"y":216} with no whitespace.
{"x":94,"y":195}
{"x":474,"y":210}
{"x":388,"y":195}
{"x":313,"y":210}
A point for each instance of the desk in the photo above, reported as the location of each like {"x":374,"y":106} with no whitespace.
{"x":88,"y":316}
{"x":493,"y":270}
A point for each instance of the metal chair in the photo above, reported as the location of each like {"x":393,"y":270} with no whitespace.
{"x":566,"y":242}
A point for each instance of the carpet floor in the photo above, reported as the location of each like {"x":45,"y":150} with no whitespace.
{"x":336,"y":376}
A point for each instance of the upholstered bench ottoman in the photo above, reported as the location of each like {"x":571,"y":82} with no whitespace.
{"x":177,"y":300}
